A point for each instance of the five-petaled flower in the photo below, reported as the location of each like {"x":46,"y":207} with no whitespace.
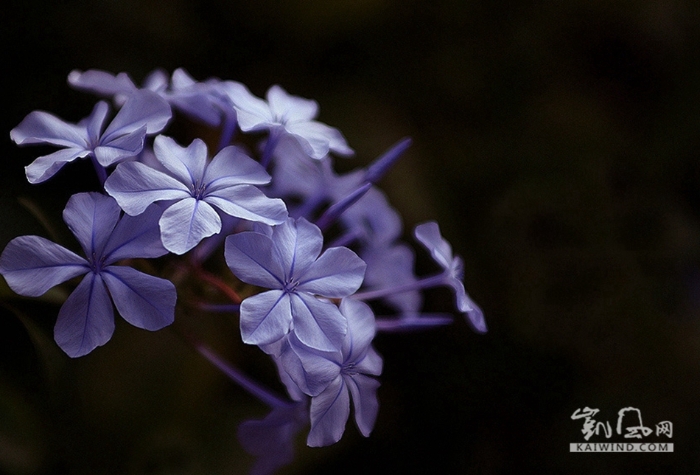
{"x":287,"y":259}
{"x":196,"y":188}
{"x":283,"y":113}
{"x":144,"y":113}
{"x":331,"y":378}
{"x":32,"y":265}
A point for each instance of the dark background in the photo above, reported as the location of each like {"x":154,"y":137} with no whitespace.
{"x":557,"y":146}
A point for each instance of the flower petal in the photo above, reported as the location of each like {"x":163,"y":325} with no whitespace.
{"x":429,"y":235}
{"x":184,"y":224}
{"x":135,"y":236}
{"x":42,"y":127}
{"x":337,"y":273}
{"x":143,"y":300}
{"x":252,"y":112}
{"x":329,"y":413}
{"x":290,"y":108}
{"x":101,"y":82}
{"x":299,"y":243}
{"x":252,"y":257}
{"x":265,"y":317}
{"x":318,"y":324}
{"x":361,"y":328}
{"x":46,"y":166}
{"x":86,"y":319}
{"x":311,"y":371}
{"x":364,"y":397}
{"x":142,"y":108}
{"x":233,"y":167}
{"x":32,"y":265}
{"x":91,"y":217}
{"x":120,"y":148}
{"x":248,"y":202}
{"x":187,"y":164}
{"x":135,"y":186}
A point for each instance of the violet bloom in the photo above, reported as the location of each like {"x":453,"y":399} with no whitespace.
{"x":144,"y":113}
{"x":181,"y":91}
{"x":429,"y":235}
{"x":287,"y":259}
{"x":32,"y":265}
{"x":283,"y":113}
{"x":335,"y":377}
{"x":196,"y":188}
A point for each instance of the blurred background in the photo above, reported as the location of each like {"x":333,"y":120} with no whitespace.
{"x":557,"y":146}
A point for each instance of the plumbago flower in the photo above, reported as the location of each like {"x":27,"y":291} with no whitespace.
{"x":144,"y":113}
{"x":197,"y":188}
{"x":283,"y":113}
{"x":317,"y":247}
{"x":332,"y":378}
{"x":287,"y":259}
{"x":32,"y":265}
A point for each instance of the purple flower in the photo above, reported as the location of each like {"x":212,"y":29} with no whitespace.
{"x":288,"y":260}
{"x":284,"y":113}
{"x":332,"y":378}
{"x":428,"y":234}
{"x":32,"y":265}
{"x":144,"y":113}
{"x":195,"y":99}
{"x":196,"y":188}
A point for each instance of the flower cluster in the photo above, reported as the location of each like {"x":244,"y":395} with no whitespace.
{"x":309,"y":250}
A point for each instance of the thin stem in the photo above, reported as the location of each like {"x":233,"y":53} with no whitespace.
{"x":219,"y":308}
{"x":218,"y":283}
{"x":425,"y":282}
{"x":251,"y":386}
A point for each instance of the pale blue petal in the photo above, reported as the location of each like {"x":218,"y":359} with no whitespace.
{"x":32,"y":265}
{"x":311,"y":371}
{"x":371,"y":363}
{"x":299,"y":243}
{"x":184,"y":224}
{"x":143,"y":300}
{"x":91,"y":217}
{"x":248,"y":202}
{"x":329,"y":413}
{"x":265,"y":317}
{"x":142,"y":108}
{"x":252,"y":258}
{"x":41,"y":127}
{"x":135,"y":236}
{"x":101,"y":82}
{"x":361,"y":328}
{"x":46,"y":166}
{"x":94,"y":123}
{"x":288,"y":108}
{"x":318,"y":324}
{"x":364,"y":397}
{"x":319,"y":138}
{"x":187,"y":164}
{"x":86,"y":319}
{"x":472,"y":312}
{"x":233,"y":167}
{"x":121,"y":148}
{"x":252,"y":112}
{"x":337,"y":273}
{"x":428,"y":234}
{"x":135,"y":186}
